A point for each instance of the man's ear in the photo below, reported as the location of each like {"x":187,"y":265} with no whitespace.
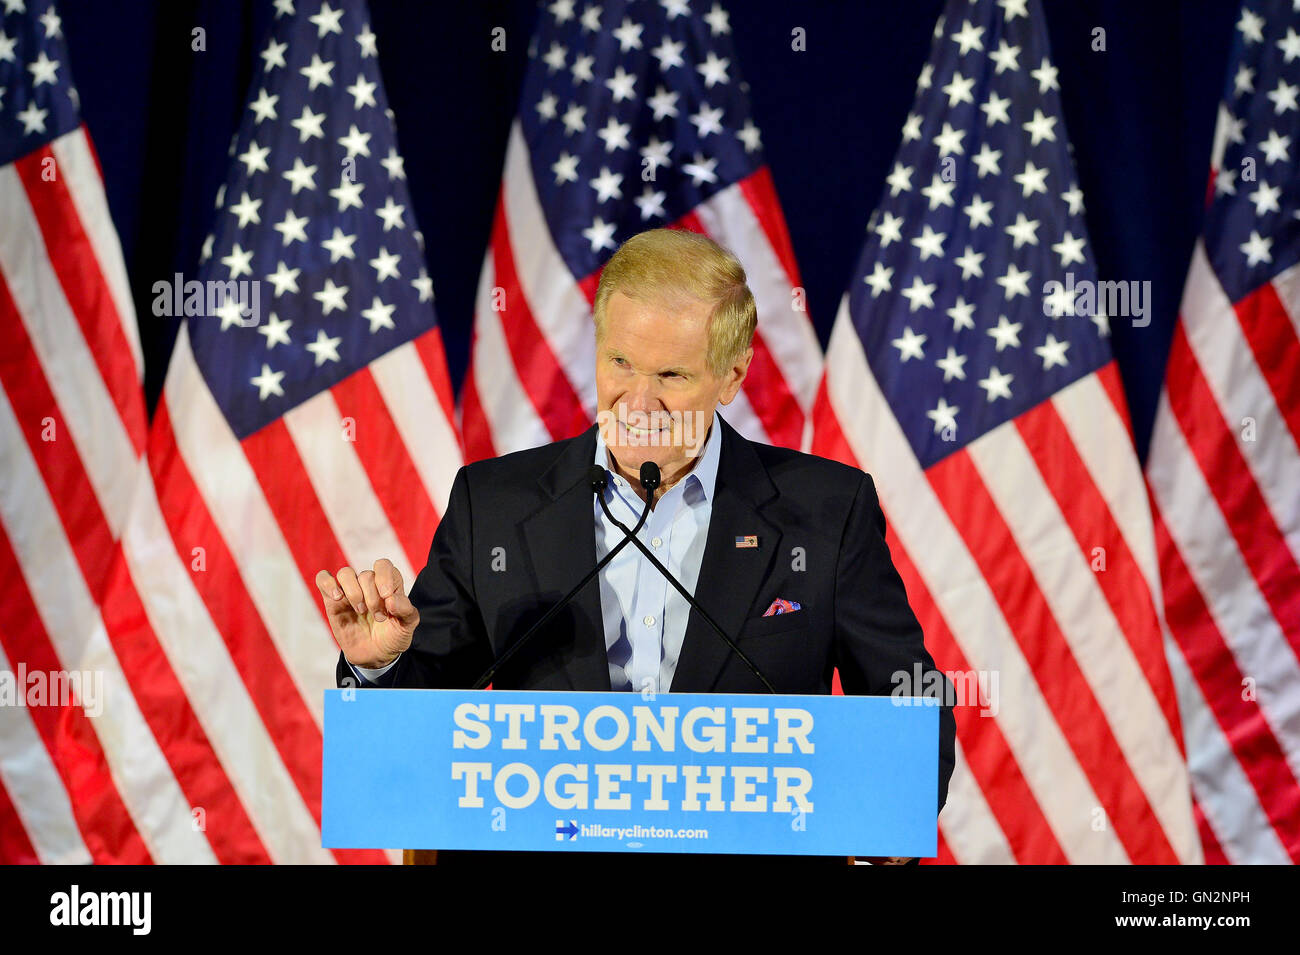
{"x":736,"y":376}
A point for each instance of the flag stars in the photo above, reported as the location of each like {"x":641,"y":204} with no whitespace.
{"x":565,"y":168}
{"x":600,"y":234}
{"x":997,"y":384}
{"x":308,"y":124}
{"x":995,"y":109}
{"x":949,"y":140}
{"x":919,"y":294}
{"x":51,"y":21}
{"x":1014,"y":8}
{"x":366,"y":40}
{"x":664,"y":103}
{"x":276,"y":331}
{"x":628,"y":35}
{"x":978,"y":211}
{"x":614,"y":135}
{"x":392,"y":214}
{"x":1276,"y":148}
{"x":273,"y":55}
{"x":651,"y":203}
{"x":717,"y":20}
{"x":900,"y":180}
{"x":962,"y":314}
{"x":708,"y":120}
{"x":317,"y":72}
{"x":910,"y":345}
{"x":939,"y":192}
{"x":890,"y":229}
{"x":1046,"y":76}
{"x":1040,"y":128}
{"x":591,"y":20}
{"x":284,"y":279}
{"x":944,"y":417}
{"x":951,"y":365}
{"x":1251,"y":26}
{"x":300,"y":176}
{"x":701,"y":170}
{"x":970,"y":263}
{"x":930,"y":243}
{"x":327,"y":21}
{"x":1289,"y":45}
{"x":669,"y":54}
{"x":1265,"y":198}
{"x":355,"y":142}
{"x":555,"y":58}
{"x":264,"y":106}
{"x":246,"y":210}
{"x":986,"y":161}
{"x":43,"y":70}
{"x":7,"y":44}
{"x":1024,"y":231}
{"x":1244,"y":81}
{"x":293,"y":228}
{"x":622,"y":85}
{"x":1074,"y":199}
{"x":574,"y":119}
{"x":912,"y":128}
{"x":749,"y":135}
{"x":714,"y":70}
{"x":268,"y":383}
{"x":394,"y":164}
{"x":1069,"y":249}
{"x":1257,"y":249}
{"x":1053,"y":353}
{"x":32,"y":118}
{"x":238,"y":261}
{"x":1033,"y":179}
{"x":968,"y":38}
{"x":324,"y":348}
{"x":879,"y":279}
{"x":1006,"y":57}
{"x":1283,"y":96}
{"x":379,"y":315}
{"x":339,"y":246}
{"x":363,"y":93}
{"x":546,"y":106}
{"x":1006,"y":333}
{"x":1015,"y":282}
{"x":655,"y":154}
{"x":959,"y":90}
{"x":332,"y":297}
{"x":423,"y":285}
{"x":608,"y":185}
{"x":348,"y":193}
{"x":254,"y":158}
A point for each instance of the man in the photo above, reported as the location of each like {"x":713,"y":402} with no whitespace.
{"x":745,"y":527}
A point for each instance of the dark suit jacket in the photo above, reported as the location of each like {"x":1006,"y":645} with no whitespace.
{"x":519,"y":532}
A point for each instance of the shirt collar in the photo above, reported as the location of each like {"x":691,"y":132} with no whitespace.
{"x":705,"y":472}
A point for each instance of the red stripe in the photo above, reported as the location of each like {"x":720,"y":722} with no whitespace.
{"x":1214,"y":854}
{"x":75,"y":263}
{"x":162,"y":701}
{"x":433,"y":356}
{"x":50,"y":441}
{"x":292,"y":499}
{"x":105,"y":824}
{"x":540,"y":373}
{"x":1109,"y":379}
{"x":384,"y":454}
{"x":475,"y":429}
{"x":1272,"y":339}
{"x":828,"y":440}
{"x":15,"y":847}
{"x":765,"y":386}
{"x":1258,"y":537}
{"x":1066,"y":690}
{"x":988,"y":755}
{"x":1088,"y":516}
{"x":760,"y":193}
{"x":218,"y":580}
{"x":1213,"y":666}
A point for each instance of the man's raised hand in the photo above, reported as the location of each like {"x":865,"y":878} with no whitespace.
{"x":369,"y":613}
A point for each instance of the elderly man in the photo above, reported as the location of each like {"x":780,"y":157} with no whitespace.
{"x":747,"y":528}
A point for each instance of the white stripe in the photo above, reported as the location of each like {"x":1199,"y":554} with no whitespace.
{"x":1097,"y":642}
{"x":1225,"y":582}
{"x":215,"y":690}
{"x":74,"y":379}
{"x":430,"y":438}
{"x":787,"y":331}
{"x":558,"y":307}
{"x":1103,"y":442}
{"x":1287,"y":284}
{"x":963,"y":597}
{"x":969,"y":826}
{"x":1222,"y":789}
{"x":140,"y":772}
{"x":343,"y":487}
{"x":35,"y":787}
{"x":72,"y":151}
{"x":512,"y":421}
{"x":1241,"y":392}
{"x":233,"y":496}
{"x":741,"y":416}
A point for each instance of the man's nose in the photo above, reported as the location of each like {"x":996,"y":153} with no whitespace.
{"x":643,"y":395}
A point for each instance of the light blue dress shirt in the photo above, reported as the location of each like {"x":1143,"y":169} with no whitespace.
{"x":644,"y":616}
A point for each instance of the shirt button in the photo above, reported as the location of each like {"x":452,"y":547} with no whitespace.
{"x":649,"y":621}
{"x":656,"y":542}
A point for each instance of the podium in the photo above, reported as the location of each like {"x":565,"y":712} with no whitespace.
{"x":704,"y":773}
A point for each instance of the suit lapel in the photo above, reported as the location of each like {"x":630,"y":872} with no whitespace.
{"x":561,"y":541}
{"x":730,"y":576}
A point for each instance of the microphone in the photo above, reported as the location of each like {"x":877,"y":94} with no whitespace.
{"x":650,"y":481}
{"x":597,"y":478}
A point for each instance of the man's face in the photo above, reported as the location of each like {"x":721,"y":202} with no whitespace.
{"x":654,"y":391}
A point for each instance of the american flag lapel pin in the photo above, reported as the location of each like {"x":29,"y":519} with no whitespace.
{"x":748,"y":540}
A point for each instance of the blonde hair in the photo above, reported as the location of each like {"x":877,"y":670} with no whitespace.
{"x":666,"y":265}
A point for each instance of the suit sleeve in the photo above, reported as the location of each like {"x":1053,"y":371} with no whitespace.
{"x":450,"y":648}
{"x":877,"y":635}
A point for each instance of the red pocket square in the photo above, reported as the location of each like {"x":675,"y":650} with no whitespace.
{"x":781,"y":605}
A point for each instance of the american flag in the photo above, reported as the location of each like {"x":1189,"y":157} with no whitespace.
{"x":72,"y":428}
{"x":1224,"y":465}
{"x":310,"y":432}
{"x":987,"y":405}
{"x":633,"y":116}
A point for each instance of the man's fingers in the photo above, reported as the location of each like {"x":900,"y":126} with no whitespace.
{"x":387,"y":578}
{"x":401,"y":609}
{"x":347,"y":578}
{"x":329,"y":588}
{"x":366,"y":579}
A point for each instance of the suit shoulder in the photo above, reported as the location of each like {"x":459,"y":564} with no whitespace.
{"x":519,"y":467}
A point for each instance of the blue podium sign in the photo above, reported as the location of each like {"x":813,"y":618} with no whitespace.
{"x":604,"y":772}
